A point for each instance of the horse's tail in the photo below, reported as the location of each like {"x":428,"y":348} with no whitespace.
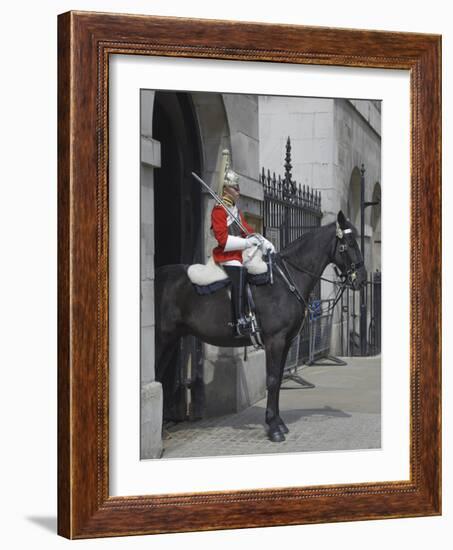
{"x":169,"y":282}
{"x":169,"y":286}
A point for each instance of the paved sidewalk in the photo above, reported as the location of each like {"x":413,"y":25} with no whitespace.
{"x":341,"y":413}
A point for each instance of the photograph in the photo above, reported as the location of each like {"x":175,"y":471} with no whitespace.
{"x":260,"y":279}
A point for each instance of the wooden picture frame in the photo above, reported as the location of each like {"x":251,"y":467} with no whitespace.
{"x":86,"y":40}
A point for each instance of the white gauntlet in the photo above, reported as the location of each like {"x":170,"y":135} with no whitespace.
{"x":254,"y":240}
{"x":236,"y":243}
{"x":258,"y":240}
{"x":267,"y":246}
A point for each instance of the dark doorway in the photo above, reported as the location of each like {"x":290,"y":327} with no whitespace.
{"x":178,"y":235}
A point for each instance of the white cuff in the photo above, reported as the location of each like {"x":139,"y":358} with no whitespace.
{"x":235,"y":243}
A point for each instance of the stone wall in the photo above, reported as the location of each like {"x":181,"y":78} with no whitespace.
{"x":150,"y":390}
{"x":309,"y":124}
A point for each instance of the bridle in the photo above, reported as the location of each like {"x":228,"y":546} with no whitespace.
{"x":344,"y":242}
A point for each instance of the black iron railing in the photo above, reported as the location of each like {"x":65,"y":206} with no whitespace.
{"x":351,"y":343}
{"x":289,"y":209}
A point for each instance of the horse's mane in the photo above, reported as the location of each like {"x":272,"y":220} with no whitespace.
{"x":305,"y":239}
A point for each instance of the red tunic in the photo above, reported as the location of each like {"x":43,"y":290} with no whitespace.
{"x":221,"y":229}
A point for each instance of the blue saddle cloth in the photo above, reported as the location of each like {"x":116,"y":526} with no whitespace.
{"x":258,"y":280}
{"x":213,"y":287}
{"x":261,"y":279}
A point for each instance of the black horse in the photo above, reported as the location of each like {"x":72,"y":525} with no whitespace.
{"x":280,"y":310}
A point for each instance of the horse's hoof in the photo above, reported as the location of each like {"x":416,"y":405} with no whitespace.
{"x":276,"y":436}
{"x":283,"y":428}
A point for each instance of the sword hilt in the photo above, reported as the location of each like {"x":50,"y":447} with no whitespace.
{"x":271,"y":274}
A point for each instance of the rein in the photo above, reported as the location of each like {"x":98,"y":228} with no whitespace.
{"x":342,"y":242}
{"x":286,"y":276}
{"x":293,"y":287}
{"x":303,"y":270}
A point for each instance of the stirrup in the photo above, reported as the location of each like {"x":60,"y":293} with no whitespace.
{"x":243,"y":327}
{"x":255,"y":335}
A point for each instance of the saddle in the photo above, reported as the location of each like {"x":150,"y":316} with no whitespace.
{"x":211,"y":277}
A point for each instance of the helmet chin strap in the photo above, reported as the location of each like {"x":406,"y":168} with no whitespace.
{"x":228,"y":199}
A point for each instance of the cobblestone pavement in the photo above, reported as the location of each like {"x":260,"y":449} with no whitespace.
{"x":342,"y":412}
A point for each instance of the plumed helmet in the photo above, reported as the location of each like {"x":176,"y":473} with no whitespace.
{"x":227,"y":176}
{"x":231,"y":178}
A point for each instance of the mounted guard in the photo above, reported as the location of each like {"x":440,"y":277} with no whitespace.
{"x":233,"y":238}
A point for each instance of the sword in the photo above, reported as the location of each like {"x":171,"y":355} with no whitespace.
{"x":222,"y":203}
{"x":235,"y":219}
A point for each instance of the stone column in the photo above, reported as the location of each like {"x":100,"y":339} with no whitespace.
{"x":232,"y":384}
{"x":151,"y":404}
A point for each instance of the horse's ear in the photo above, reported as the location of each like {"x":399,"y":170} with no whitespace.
{"x":341,"y":219}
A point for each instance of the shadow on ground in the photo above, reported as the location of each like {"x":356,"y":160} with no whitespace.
{"x":49,"y":523}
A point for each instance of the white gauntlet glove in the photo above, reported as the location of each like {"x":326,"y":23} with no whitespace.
{"x":267,"y":246}
{"x":258,"y":240}
{"x":254,"y":240}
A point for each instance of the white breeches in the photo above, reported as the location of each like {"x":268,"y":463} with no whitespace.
{"x":232,"y":262}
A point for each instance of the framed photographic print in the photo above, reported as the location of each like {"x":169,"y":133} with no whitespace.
{"x":231,"y":353}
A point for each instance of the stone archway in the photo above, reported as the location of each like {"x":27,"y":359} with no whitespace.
{"x":376,"y":228}
{"x":171,"y":232}
{"x":353,"y":208}
{"x":214,"y":130}
{"x":353,"y":213}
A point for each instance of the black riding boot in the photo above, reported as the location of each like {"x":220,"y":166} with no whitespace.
{"x":238,"y":276}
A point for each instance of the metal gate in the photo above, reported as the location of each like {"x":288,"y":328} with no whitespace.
{"x":320,"y":332}
{"x":350,"y":319}
{"x":290,"y":210}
